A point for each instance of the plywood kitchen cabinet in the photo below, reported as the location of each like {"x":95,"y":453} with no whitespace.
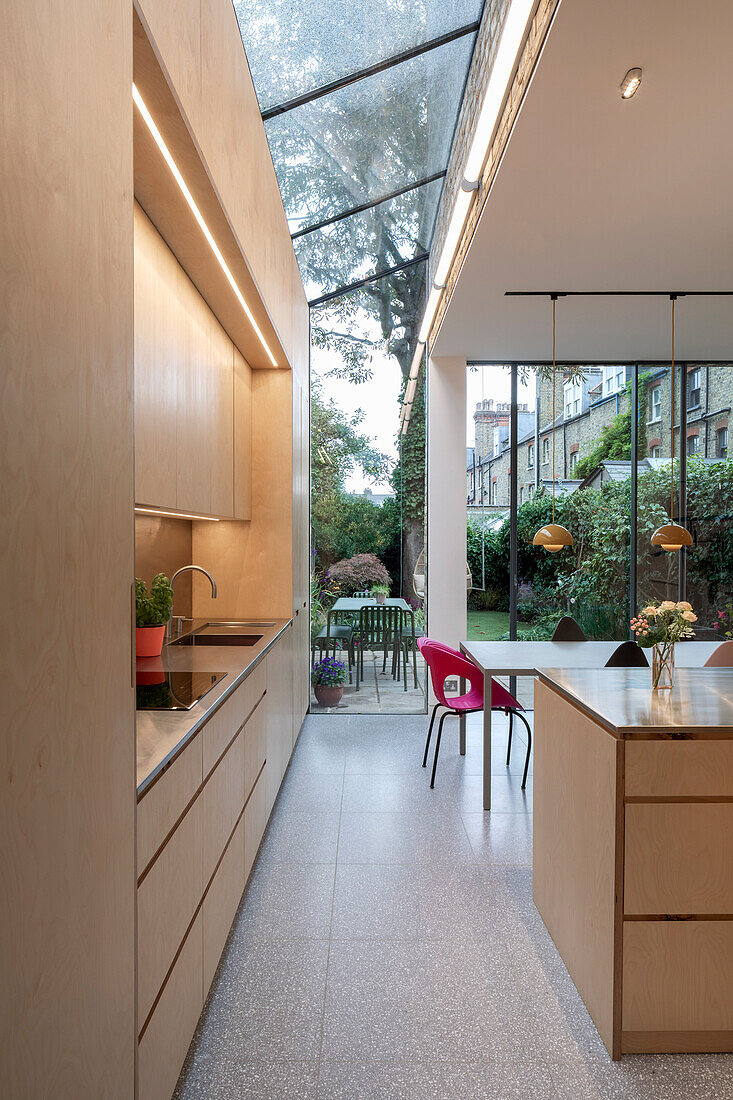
{"x":203,"y":819}
{"x":190,"y":403}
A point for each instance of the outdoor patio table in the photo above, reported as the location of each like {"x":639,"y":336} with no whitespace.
{"x":353,"y":603}
{"x":525,"y":658}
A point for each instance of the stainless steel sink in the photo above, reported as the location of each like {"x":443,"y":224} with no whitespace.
{"x":224,"y":633}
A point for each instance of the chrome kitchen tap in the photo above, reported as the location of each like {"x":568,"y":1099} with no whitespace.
{"x":188,"y":569}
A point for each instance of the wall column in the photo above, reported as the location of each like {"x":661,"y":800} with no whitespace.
{"x":446,"y":499}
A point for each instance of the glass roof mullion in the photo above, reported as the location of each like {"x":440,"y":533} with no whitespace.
{"x":369,"y":279}
{"x":371,"y":70}
{"x":369,"y":205}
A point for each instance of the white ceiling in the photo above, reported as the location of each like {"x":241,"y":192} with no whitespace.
{"x":597,"y":193}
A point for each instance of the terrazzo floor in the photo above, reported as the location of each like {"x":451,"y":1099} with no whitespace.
{"x":387,"y":945}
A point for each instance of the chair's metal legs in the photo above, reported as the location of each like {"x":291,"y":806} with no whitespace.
{"x":529,"y":748}
{"x":430,"y":730}
{"x":509,"y":744}
{"x":437,"y":746}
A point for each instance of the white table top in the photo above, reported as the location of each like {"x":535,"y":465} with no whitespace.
{"x":525,"y":658}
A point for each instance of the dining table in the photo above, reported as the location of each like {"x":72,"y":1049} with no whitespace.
{"x":508,"y":658}
{"x":353,"y":604}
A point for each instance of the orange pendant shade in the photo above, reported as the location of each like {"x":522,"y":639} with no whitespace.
{"x":671,"y":536}
{"x":552,"y":537}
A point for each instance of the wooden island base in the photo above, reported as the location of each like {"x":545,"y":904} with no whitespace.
{"x":633,"y":852}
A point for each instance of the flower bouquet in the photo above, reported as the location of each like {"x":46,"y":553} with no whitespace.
{"x":658,"y":626}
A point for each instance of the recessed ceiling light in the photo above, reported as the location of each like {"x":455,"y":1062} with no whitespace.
{"x":630,"y":83}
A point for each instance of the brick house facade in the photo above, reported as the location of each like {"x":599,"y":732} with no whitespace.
{"x":582,"y":411}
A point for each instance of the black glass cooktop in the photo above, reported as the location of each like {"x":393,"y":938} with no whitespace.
{"x":157,"y":690}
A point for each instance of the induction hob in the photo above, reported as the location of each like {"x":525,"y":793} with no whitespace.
{"x":157,"y":690}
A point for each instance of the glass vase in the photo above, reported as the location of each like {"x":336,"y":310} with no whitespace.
{"x":663,"y":667}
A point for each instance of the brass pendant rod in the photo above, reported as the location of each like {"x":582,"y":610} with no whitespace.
{"x":554,"y":303}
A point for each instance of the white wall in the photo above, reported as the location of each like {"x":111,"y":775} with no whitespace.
{"x":446,"y":434}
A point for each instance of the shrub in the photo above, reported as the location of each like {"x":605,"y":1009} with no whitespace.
{"x":357,"y":573}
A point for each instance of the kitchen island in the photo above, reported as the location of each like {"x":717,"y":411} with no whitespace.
{"x":633,"y":850}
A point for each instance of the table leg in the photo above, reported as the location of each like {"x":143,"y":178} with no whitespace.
{"x":462,"y":722}
{"x":487,"y":740}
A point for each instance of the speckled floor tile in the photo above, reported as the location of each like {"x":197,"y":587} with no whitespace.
{"x":396,"y":792}
{"x":403,"y":837}
{"x":396,"y":902}
{"x":500,"y":838}
{"x":286,"y":900}
{"x":648,"y":1077}
{"x":312,"y":791}
{"x":435,"y":1080}
{"x":507,"y":796}
{"x":296,"y":836}
{"x":231,"y":1079}
{"x":390,"y":1002}
{"x":266,"y":1003}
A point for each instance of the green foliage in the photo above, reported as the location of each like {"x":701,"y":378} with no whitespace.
{"x":153,"y":609}
{"x":380,"y":589}
{"x":615,"y":441}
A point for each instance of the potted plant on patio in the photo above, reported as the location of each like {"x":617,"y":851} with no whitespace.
{"x":152,"y":612}
{"x":380,"y":592}
{"x":328,"y":678}
{"x":660,"y":626}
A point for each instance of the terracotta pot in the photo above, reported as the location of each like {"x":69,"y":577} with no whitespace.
{"x":149,"y":671}
{"x":149,"y":640}
{"x":328,"y":696}
{"x":381,"y":597}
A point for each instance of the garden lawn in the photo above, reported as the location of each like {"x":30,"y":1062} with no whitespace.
{"x":488,"y":626}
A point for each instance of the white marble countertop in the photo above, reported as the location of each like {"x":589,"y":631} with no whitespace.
{"x":161,"y":734}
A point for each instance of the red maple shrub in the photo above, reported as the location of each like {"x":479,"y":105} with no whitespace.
{"x":357,"y":574}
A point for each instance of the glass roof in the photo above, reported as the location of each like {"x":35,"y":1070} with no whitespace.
{"x":293,"y":47}
{"x":363,"y":244}
{"x":351,"y":121}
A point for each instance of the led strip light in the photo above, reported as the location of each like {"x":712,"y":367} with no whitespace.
{"x":158,"y":138}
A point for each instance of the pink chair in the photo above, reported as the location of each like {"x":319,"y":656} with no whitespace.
{"x":722,"y":657}
{"x":443,"y":661}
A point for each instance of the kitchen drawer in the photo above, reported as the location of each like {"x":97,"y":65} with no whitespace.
{"x":166,"y":901}
{"x":221,"y":901}
{"x":248,"y":694}
{"x":223,"y":797}
{"x":678,"y":977}
{"x":255,"y":821}
{"x":673,"y":769}
{"x":255,"y":746}
{"x":231,"y":715}
{"x":165,"y":1042}
{"x":679,"y":858}
{"x":218,"y":733}
{"x":163,"y":803}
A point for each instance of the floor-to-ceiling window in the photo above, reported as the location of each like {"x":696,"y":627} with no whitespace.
{"x":600,"y":456}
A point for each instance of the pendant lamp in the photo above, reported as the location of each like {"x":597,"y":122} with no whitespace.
{"x":552,"y":537}
{"x":672,"y":536}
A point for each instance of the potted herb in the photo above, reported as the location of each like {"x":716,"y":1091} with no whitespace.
{"x":660,"y":626}
{"x":152,"y":612}
{"x":380,"y":592}
{"x":328,"y":678}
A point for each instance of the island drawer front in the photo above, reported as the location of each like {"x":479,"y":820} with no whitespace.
{"x":255,"y":746}
{"x":221,"y":902}
{"x":167,"y":899}
{"x":678,"y":976}
{"x":223,"y":798}
{"x":679,"y":769}
{"x":162,"y":804}
{"x":679,"y":858}
{"x":163,"y":1047}
{"x":255,"y":821}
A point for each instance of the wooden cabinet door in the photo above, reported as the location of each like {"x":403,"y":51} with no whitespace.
{"x":279,"y":701}
{"x":242,"y":438}
{"x":159,"y":344}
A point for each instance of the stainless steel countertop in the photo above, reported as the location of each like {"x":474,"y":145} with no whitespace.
{"x":161,"y":734}
{"x":621,"y":699}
